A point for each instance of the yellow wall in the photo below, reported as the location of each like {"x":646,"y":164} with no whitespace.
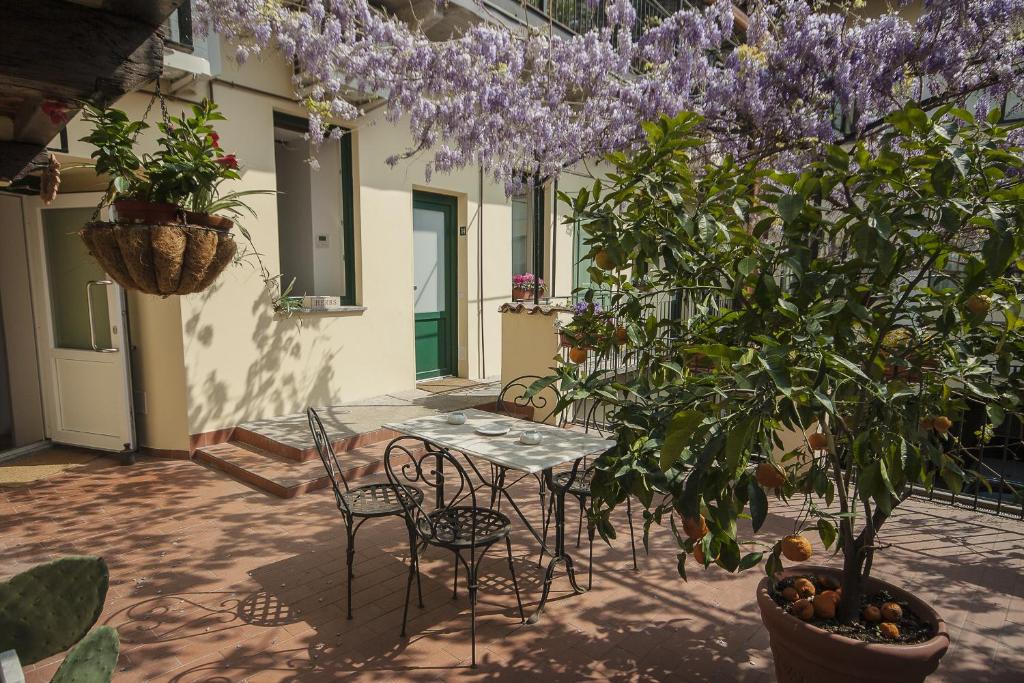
{"x":223,"y":356}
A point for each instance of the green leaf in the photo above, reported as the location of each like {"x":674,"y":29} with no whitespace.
{"x":758,"y":504}
{"x":828,"y":533}
{"x":678,"y":436}
{"x":750,"y":560}
{"x":681,"y":565}
{"x":790,"y":206}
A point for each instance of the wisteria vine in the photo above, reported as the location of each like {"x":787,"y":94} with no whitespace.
{"x":530,"y":103}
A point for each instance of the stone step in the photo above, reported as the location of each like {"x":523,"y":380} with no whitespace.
{"x":286,"y":477}
{"x":302,"y":449}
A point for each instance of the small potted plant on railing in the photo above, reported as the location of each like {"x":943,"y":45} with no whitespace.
{"x":166,"y":236}
{"x":591,"y":326}
{"x":860,"y":304}
{"x":523,"y":286}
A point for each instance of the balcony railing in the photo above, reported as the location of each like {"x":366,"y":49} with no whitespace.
{"x":577,"y":17}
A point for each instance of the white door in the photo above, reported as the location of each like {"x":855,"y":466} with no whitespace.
{"x":80,"y":329}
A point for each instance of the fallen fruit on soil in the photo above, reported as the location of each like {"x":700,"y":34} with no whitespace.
{"x":770,"y":476}
{"x":829,"y":583}
{"x":803,"y":609}
{"x":577,"y":354}
{"x":796,"y":548}
{"x":789,"y":594}
{"x":891,"y":612}
{"x":942,"y":424}
{"x":889,"y":630}
{"x":695,"y":529}
{"x":804,"y":588}
{"x":817,"y":441}
{"x":872,"y":614}
{"x":825,"y":605}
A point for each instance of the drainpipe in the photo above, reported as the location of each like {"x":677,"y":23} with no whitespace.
{"x":480,"y":275}
{"x":554,"y":235}
{"x":538,"y":237}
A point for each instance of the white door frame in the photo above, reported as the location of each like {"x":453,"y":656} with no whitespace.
{"x":121,"y":437}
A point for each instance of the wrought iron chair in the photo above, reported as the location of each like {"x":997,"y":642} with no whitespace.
{"x":456,"y":523}
{"x":369,"y":501}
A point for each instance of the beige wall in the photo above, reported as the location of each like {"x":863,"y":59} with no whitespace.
{"x":223,"y":356}
{"x":19,"y":326}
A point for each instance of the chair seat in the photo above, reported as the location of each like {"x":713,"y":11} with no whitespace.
{"x":453,"y":526}
{"x":580,"y":485}
{"x":377,"y":500}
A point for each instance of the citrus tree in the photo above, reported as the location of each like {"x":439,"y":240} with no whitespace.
{"x":862,"y":305}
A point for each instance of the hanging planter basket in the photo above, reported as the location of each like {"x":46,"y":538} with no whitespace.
{"x":162,"y":259}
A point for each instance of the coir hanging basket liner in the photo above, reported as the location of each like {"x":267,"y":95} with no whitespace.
{"x":160,"y":259}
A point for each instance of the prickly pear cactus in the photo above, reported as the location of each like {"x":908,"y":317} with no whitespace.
{"x":50,"y":607}
{"x":92,"y":660}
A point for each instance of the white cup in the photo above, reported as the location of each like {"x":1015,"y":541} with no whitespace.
{"x":457,"y":418}
{"x":530,"y":438}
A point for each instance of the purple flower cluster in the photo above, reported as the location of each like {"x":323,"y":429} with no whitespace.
{"x":528,"y":105}
{"x":586,"y":308}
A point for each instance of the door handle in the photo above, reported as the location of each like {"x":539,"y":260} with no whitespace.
{"x":92,"y":325}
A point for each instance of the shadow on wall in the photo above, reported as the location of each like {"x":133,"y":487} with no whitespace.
{"x":277,"y":381}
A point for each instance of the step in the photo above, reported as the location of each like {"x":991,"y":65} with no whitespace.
{"x":286,"y":477}
{"x":302,"y":450}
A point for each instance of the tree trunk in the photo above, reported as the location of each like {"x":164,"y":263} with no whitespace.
{"x":848,"y":610}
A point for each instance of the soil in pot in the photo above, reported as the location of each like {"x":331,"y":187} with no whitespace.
{"x":911,"y":628}
{"x":804,"y":651}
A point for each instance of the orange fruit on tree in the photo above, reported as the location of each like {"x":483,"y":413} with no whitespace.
{"x":817,"y":441}
{"x":770,"y":476}
{"x":796,"y":548}
{"x":604,"y":260}
{"x":620,"y":336}
{"x":926,"y":423}
{"x":825,"y":605}
{"x":871,"y":614}
{"x":802,"y":609}
{"x":891,"y":612}
{"x":890,"y":631}
{"x":577,"y":354}
{"x":979,"y":303}
{"x":941,"y":424}
{"x":695,"y":528}
{"x":804,"y":587}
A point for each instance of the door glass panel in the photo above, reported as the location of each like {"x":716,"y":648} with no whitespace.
{"x":69,"y":268}
{"x":430,"y":268}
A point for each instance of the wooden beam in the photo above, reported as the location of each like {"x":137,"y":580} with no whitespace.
{"x":15,"y":159}
{"x":66,"y":51}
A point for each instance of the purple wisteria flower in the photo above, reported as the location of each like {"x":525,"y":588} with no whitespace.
{"x":529,"y":105}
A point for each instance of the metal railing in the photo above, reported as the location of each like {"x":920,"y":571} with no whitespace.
{"x":577,"y":16}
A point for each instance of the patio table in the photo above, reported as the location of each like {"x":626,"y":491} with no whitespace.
{"x":557,"y":447}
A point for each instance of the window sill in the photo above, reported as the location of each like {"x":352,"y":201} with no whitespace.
{"x":332,"y":310}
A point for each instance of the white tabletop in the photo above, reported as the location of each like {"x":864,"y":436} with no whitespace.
{"x":557,"y":446}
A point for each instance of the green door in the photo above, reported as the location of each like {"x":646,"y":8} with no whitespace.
{"x":434,"y":269}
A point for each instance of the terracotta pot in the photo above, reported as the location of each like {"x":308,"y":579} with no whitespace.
{"x":152,"y":213}
{"x":208,"y":220}
{"x":519,"y":294}
{"x":804,"y":652}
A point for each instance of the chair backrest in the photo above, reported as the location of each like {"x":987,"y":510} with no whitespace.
{"x":326,"y":452}
{"x":515,"y":399}
{"x":409,"y":461}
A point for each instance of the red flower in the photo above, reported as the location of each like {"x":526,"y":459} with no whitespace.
{"x":215,"y":139}
{"x":228,"y":160}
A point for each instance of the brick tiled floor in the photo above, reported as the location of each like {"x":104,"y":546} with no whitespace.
{"x":212,"y":581}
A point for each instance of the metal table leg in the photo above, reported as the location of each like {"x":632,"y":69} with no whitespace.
{"x":560,"y":555}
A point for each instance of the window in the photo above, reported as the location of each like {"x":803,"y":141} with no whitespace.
{"x":524,"y":205}
{"x":314,"y":212}
{"x":178,"y":27}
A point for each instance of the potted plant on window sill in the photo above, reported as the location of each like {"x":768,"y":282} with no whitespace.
{"x":166,"y":236}
{"x":797,"y":282}
{"x":523,"y":286}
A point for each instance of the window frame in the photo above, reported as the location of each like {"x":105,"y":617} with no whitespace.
{"x":301,"y":125}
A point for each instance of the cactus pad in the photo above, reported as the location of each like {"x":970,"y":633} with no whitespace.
{"x":48,"y":608}
{"x":92,"y":660}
